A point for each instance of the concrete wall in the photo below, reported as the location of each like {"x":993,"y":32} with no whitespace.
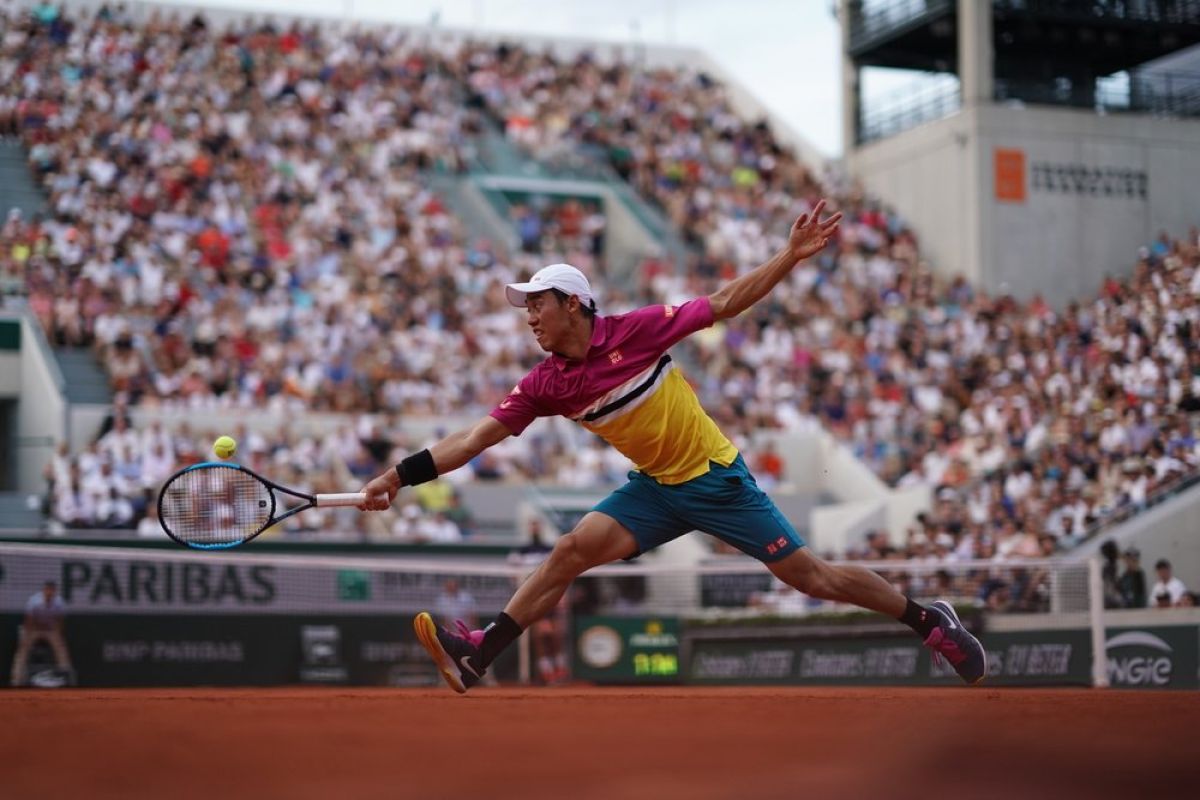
{"x":10,"y":373}
{"x":816,"y":467}
{"x":31,"y":375}
{"x":1084,"y":191}
{"x":1062,"y":243}
{"x":929,"y":175}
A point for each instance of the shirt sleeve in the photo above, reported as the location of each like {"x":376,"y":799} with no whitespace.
{"x":665,"y":325}
{"x":521,"y":407}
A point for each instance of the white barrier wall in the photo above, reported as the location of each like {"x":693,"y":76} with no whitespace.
{"x":30,"y":374}
{"x":1038,"y":200}
{"x":10,"y":373}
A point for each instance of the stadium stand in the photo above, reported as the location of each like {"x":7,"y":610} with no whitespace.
{"x":208,"y":251}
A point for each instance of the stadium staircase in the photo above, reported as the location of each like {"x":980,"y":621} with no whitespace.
{"x":498,"y":156}
{"x":17,"y":187}
{"x":85,"y":378}
{"x":15,"y":513}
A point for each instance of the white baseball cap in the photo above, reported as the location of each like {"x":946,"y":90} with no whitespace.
{"x":563,"y":277}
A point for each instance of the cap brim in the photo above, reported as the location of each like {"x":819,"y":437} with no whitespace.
{"x":516,"y":292}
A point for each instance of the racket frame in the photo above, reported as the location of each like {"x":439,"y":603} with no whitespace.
{"x":310,"y":501}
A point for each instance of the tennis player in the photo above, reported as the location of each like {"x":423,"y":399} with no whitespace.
{"x":613,"y":375}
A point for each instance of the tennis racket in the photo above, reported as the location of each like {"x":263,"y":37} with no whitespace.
{"x":215,"y":505}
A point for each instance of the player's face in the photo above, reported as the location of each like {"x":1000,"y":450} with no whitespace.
{"x":549,"y":319}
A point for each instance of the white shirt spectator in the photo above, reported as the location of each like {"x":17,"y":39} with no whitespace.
{"x":1173,"y":588}
{"x":438,"y":530}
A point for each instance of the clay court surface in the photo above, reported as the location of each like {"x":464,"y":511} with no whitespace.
{"x":221,"y":744}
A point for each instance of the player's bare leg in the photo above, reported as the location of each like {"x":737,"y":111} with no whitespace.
{"x":937,"y":624}
{"x":597,"y":539}
{"x":463,"y":656}
{"x":840,"y":584}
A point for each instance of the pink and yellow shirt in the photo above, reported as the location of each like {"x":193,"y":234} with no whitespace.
{"x":629,"y":392}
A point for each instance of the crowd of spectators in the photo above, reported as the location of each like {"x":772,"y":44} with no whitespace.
{"x":566,"y":225}
{"x":1124,"y":581}
{"x":113,"y":483}
{"x":242,"y":218}
{"x":725,"y":182}
{"x":1034,"y":423}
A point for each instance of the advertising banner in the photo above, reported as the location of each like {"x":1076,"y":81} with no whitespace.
{"x":627,"y":649}
{"x":1157,"y":657}
{"x":239,"y":650}
{"x":184,"y":582}
{"x":1153,"y":657}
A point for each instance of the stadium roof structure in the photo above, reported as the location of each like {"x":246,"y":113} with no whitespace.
{"x":1097,"y":37}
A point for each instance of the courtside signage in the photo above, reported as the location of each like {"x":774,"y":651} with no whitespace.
{"x":1144,"y":658}
{"x":1015,"y":659}
{"x":1152,"y":658}
{"x":206,"y":583}
{"x":237,"y":649}
{"x":627,"y":649}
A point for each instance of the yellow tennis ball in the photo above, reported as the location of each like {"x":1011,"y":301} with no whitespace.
{"x":225,"y":447}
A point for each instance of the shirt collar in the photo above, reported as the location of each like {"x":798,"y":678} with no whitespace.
{"x":599,"y":338}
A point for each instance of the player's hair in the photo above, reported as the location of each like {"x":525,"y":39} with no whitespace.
{"x":588,"y":310}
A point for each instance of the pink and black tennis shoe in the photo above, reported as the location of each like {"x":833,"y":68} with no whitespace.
{"x":951,"y":641}
{"x":456,"y":653}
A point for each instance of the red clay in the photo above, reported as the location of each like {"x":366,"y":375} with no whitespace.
{"x":590,"y":743}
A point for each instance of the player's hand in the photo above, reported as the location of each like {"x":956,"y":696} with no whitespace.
{"x":381,"y":491}
{"x":810,"y":233}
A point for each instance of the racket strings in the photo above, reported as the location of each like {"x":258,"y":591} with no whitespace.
{"x":216,"y":505}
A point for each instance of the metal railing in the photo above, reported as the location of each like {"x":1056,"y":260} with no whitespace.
{"x":870,"y":21}
{"x":1153,"y":11}
{"x":1157,"y":92}
{"x":913,"y":106}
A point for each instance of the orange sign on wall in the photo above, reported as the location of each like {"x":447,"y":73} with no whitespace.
{"x":1010,"y":175}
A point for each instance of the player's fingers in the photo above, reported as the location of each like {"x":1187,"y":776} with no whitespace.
{"x":376,"y":502}
{"x":832,"y":222}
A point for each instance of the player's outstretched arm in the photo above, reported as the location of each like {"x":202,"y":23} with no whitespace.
{"x":808,"y":236}
{"x":447,"y":455}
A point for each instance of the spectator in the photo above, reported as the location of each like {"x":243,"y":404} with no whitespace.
{"x":1167,"y":585}
{"x":768,"y":467}
{"x":1109,"y":575}
{"x":1132,"y":583}
{"x":437,"y":528}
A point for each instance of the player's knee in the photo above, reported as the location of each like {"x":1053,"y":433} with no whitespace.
{"x":567,"y":558}
{"x":813,"y":583}
{"x":813,"y":578}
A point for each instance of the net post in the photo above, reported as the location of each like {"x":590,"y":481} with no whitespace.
{"x":1096,"y":622}
{"x":1056,"y":591}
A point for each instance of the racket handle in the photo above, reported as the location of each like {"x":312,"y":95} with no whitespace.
{"x":341,"y":499}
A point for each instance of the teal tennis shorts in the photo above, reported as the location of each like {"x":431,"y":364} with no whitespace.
{"x":725,"y":502}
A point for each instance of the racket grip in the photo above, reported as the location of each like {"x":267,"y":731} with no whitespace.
{"x":341,"y":499}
